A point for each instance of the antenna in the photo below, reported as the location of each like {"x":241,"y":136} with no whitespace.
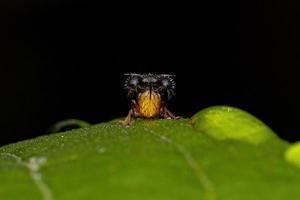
{"x":132,"y":74}
{"x":166,"y":75}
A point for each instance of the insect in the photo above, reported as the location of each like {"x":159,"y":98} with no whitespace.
{"x":149,"y":94}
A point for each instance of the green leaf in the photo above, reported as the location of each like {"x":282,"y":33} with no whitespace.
{"x":221,"y":153}
{"x":224,"y":122}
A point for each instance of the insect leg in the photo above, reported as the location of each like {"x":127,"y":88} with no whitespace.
{"x":167,"y":114}
{"x":129,"y":118}
{"x":131,"y":115}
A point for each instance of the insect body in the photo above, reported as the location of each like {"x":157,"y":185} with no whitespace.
{"x":149,"y":104}
{"x":148,"y":94}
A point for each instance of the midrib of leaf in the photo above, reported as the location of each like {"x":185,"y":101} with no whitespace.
{"x":206,"y":183}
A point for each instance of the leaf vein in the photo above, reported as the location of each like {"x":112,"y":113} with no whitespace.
{"x":202,"y":177}
{"x":33,"y":166}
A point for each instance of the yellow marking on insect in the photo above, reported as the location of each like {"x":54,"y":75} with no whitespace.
{"x":149,"y":104}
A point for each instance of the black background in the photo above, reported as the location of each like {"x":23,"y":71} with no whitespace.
{"x":66,"y":59}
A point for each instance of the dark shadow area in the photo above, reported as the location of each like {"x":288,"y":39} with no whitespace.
{"x":61,"y":60}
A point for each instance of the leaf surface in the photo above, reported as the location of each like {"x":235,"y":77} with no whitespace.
{"x":154,"y":159}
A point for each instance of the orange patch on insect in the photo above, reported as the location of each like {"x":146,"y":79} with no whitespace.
{"x":149,"y":104}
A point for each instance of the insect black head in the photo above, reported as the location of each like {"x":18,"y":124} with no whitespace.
{"x":167,"y":85}
{"x":161,"y":83}
{"x":132,"y":84}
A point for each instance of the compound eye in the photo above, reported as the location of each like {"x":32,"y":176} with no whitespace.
{"x":145,"y":80}
{"x":153,"y":80}
{"x":149,"y":80}
{"x":165,"y":82}
{"x":134,"y":81}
